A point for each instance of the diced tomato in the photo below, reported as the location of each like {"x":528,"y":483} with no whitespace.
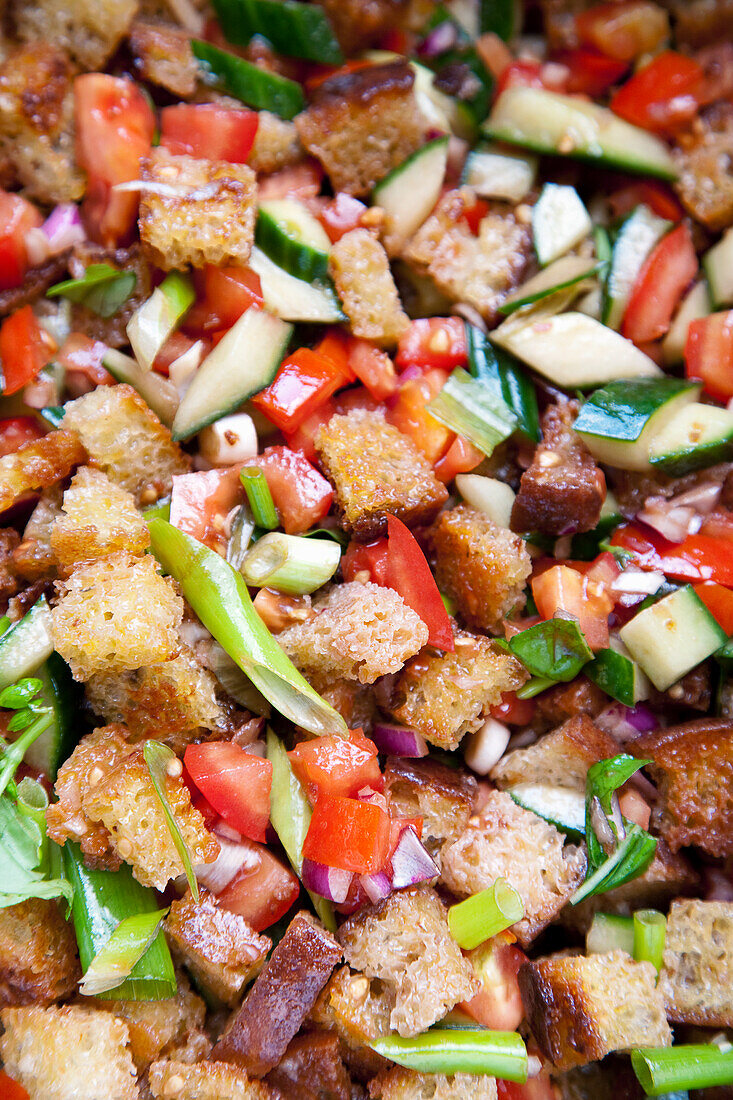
{"x":201,"y":502}
{"x":17,"y":216}
{"x":302,"y":496}
{"x":591,"y":72}
{"x":719,"y":602}
{"x":262,"y":891}
{"x":474,"y":213}
{"x":514,"y":711}
{"x":209,"y":131}
{"x":303,"y":438}
{"x":340,"y":215}
{"x":659,"y":197}
{"x":409,"y":574}
{"x":623,"y":30}
{"x":225,"y":294}
{"x":81,"y":357}
{"x":358,"y":397}
{"x":17,"y":430}
{"x":10,"y":1089}
{"x":348,"y":834}
{"x":115,"y":125}
{"x":304,"y":381}
{"x":521,"y":74}
{"x":709,"y":353}
{"x":22,"y":350}
{"x":496,"y":964}
{"x":335,"y":766}
{"x":177,"y":344}
{"x":373,"y":367}
{"x":433,"y":342}
{"x":699,"y":557}
{"x":635,"y":807}
{"x":663,"y":96}
{"x":561,"y":588}
{"x":460,"y":458}
{"x":236,"y":783}
{"x":665,"y":275}
{"x":537,"y":1088}
{"x":407,"y":411}
{"x":366,"y":557}
{"x":299,"y":181}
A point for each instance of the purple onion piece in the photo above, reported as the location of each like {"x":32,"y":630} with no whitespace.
{"x":376,"y":887}
{"x":63,"y":227}
{"x":641,"y":718}
{"x":330,"y":882}
{"x":411,"y":863}
{"x":398,"y":740}
{"x":441,"y":38}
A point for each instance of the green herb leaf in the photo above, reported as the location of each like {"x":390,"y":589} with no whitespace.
{"x":631,"y":858}
{"x":24,"y":857}
{"x":114,"y":962}
{"x":158,"y":758}
{"x":12,"y":755}
{"x":20,"y":694}
{"x":554,"y":650}
{"x":102,"y":288}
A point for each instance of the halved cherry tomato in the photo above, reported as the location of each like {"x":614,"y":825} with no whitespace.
{"x":262,"y":891}
{"x":460,"y":458}
{"x":235,"y":782}
{"x":201,"y":502}
{"x":591,"y":72}
{"x":224,"y":295}
{"x":301,"y":494}
{"x":366,"y":557}
{"x":336,"y":766}
{"x":17,"y":216}
{"x":719,"y":602}
{"x":709,"y":353}
{"x":663,"y":96}
{"x":16,"y":431}
{"x":348,"y":834}
{"x":658,"y":196}
{"x":665,"y":275}
{"x":514,"y":711}
{"x":624,"y":30}
{"x":409,"y":574}
{"x":303,"y":382}
{"x":340,"y":215}
{"x":22,"y":350}
{"x":433,"y":342}
{"x":496,"y":964}
{"x":699,"y":557}
{"x":407,"y":411}
{"x":10,"y":1089}
{"x":209,"y":131}
{"x":561,"y":588}
{"x":373,"y":367}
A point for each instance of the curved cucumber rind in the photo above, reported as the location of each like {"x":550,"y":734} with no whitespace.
{"x":293,"y":28}
{"x":696,"y":437}
{"x":293,"y":239}
{"x":565,"y":272}
{"x":636,"y":238}
{"x":256,"y":87}
{"x":560,"y":221}
{"x":618,"y":676}
{"x":548,"y":122}
{"x":410,"y":191}
{"x":561,"y":806}
{"x":295,"y":299}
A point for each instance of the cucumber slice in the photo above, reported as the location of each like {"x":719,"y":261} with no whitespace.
{"x":718,"y":266}
{"x":258,"y":88}
{"x":695,"y":304}
{"x":610,"y":932}
{"x":494,"y":498}
{"x":618,"y":422}
{"x":562,"y":807}
{"x":244,"y":361}
{"x":495,"y":174}
{"x":293,"y":239}
{"x":618,"y":675}
{"x":410,"y":191}
{"x":636,"y":238}
{"x":698,"y":436}
{"x":573,"y":350}
{"x":292,"y":28}
{"x":159,"y":392}
{"x":295,"y":299}
{"x":565,"y":272}
{"x":155,"y":320}
{"x":26,"y":645}
{"x":502,"y":17}
{"x":548,"y":122}
{"x":672,"y":636}
{"x":560,"y":221}
{"x":503,"y":374}
{"x":59,"y":692}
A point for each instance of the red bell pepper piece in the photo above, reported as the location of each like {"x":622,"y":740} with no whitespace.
{"x":665,"y":275}
{"x":348,"y":834}
{"x":22,"y":350}
{"x":304,"y":381}
{"x":709,"y":353}
{"x":235,"y":782}
{"x":433,"y":342}
{"x":663,"y":96}
{"x":409,"y":574}
{"x":719,"y":602}
{"x":301,"y":494}
{"x":336,"y":766}
{"x":209,"y":131}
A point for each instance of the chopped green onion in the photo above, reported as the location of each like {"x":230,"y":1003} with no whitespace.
{"x":474,"y":410}
{"x":259,"y":497}
{"x":158,"y":317}
{"x":485,"y":915}
{"x":247,"y":82}
{"x":447,"y":1050}
{"x":161,"y":510}
{"x":694,"y":1066}
{"x":126,"y":946}
{"x":159,"y":759}
{"x":102,"y":288}
{"x":291,"y":564}
{"x":610,"y":932}
{"x":555,"y":649}
{"x":5,"y":624}
{"x":534,"y":686}
{"x":650,"y":931}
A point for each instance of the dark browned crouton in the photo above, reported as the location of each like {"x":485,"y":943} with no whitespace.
{"x":89,"y":30}
{"x":359,"y":24}
{"x":171,"y":1028}
{"x":559,"y":21}
{"x":692,"y":765}
{"x":441,"y":795}
{"x":219,"y":947}
{"x":376,"y":471}
{"x":197,"y":211}
{"x":507,"y":841}
{"x":564,"y":701}
{"x":405,"y":942}
{"x":283,"y":994}
{"x":355,"y":702}
{"x":312,"y":1069}
{"x":99,"y":518}
{"x":362,"y":124}
{"x":39,"y":464}
{"x":9,"y":542}
{"x":582,"y":1008}
{"x":358,"y":1010}
{"x":276,"y":144}
{"x":700,"y":21}
{"x":446,"y":696}
{"x":480,"y":565}
{"x":406,"y":1084}
{"x":360,"y":270}
{"x":560,"y":759}
{"x":696,"y":980}
{"x":705,"y":184}
{"x":163,"y":55}
{"x":38,"y":956}
{"x":205,"y":1081}
{"x":35,"y":284}
{"x":562,"y":492}
{"x":611,"y":1079}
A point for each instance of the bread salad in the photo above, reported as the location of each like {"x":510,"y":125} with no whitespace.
{"x":366,"y":561}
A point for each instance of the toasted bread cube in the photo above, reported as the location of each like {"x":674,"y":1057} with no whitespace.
{"x":581,"y":1008}
{"x":480,"y":565}
{"x":361,"y":125}
{"x":89,"y":30}
{"x":692,"y":766}
{"x":360,"y":270}
{"x":68,"y":1053}
{"x":312,"y":1061}
{"x":276,"y":144}
{"x":442,"y":796}
{"x":507,"y":841}
{"x":205,"y":1081}
{"x":359,"y":632}
{"x":114,"y":614}
{"x":39,"y":464}
{"x":696,"y":980}
{"x":100,"y":518}
{"x":376,"y":471}
{"x":358,"y":1011}
{"x":208,"y":218}
{"x":405,"y":942}
{"x":355,"y":702}
{"x":219,"y":948}
{"x":38,"y":956}
{"x":447,"y":696}
{"x":704,"y":186}
{"x":171,"y":1028}
{"x":406,"y":1084}
{"x":559,"y":759}
{"x":163,"y":55}
{"x":126,"y":440}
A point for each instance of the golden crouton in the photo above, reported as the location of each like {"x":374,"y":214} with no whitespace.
{"x":582,"y":1008}
{"x":480,"y":270}
{"x":559,"y":759}
{"x":480,"y":565}
{"x":68,"y":1053}
{"x":276,"y":144}
{"x":114,"y":614}
{"x":692,"y":766}
{"x":172,"y":1028}
{"x":704,"y":185}
{"x":405,"y":942}
{"x":219,"y":948}
{"x":34,"y":559}
{"x":358,"y":1011}
{"x":205,"y":1081}
{"x":355,"y":702}
{"x":405,"y":1084}
{"x":360,"y":632}
{"x":126,"y":440}
{"x":696,"y":980}
{"x":99,"y":518}
{"x":360,"y":270}
{"x":197,"y":212}
{"x":362,"y":124}
{"x":507,"y":841}
{"x":163,"y":56}
{"x":38,"y":464}
{"x":36,"y":122}
{"x":376,"y":471}
{"x":359,"y":25}
{"x":442,"y":796}
{"x":89,"y":30}
{"x":447,"y":696}
{"x":38,"y":957}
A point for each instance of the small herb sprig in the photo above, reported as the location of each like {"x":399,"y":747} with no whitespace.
{"x":32,"y":718}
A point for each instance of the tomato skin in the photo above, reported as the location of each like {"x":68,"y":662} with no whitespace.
{"x":408,"y":573}
{"x":561,"y":588}
{"x":235,"y":782}
{"x":537,"y":1088}
{"x":82,"y":358}
{"x":209,"y":131}
{"x":225,"y":294}
{"x":22,"y":350}
{"x":299,"y":181}
{"x":334,"y":766}
{"x":262,"y":891}
{"x":301,"y":494}
{"x":663,"y":96}
{"x":369,"y":557}
{"x":200,"y":503}
{"x":700,"y":557}
{"x":17,"y":216}
{"x":591,"y":72}
{"x":433,"y":342}
{"x":348,"y":834}
{"x":408,"y":413}
{"x":719,"y":602}
{"x":665,"y":275}
{"x":302,"y":439}
{"x":304,"y":381}
{"x":340,"y":215}
{"x":659,"y":197}
{"x":460,"y":458}
{"x":10,"y":1089}
{"x":496,"y":963}
{"x":15,"y":431}
{"x":625,"y":30}
{"x":709,"y":353}
{"x":514,"y":711}
{"x":373,"y":367}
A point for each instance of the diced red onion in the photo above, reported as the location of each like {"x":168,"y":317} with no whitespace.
{"x":398,"y":740}
{"x":376,"y":887}
{"x":641,"y":718}
{"x":411,"y":862}
{"x":368,"y":794}
{"x":672,"y":520}
{"x":443,"y":37}
{"x":330,"y":882}
{"x":703,"y":498}
{"x":63,"y":228}
{"x":221,"y":828}
{"x":625,"y":723}
{"x":232,"y":858}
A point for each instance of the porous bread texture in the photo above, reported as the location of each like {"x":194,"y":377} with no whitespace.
{"x":406,"y":1084}
{"x":507,"y":841}
{"x":480,"y":565}
{"x":559,"y":759}
{"x":207,"y":217}
{"x":205,"y":1081}
{"x":89,"y":30}
{"x":171,"y":1028}
{"x":360,"y":269}
{"x":163,"y":55}
{"x":125,"y":439}
{"x":358,"y":1007}
{"x":99,"y":518}
{"x":38,"y":957}
{"x":442,"y":796}
{"x":360,"y":632}
{"x":696,"y":980}
{"x":114,"y":614}
{"x":38,"y":465}
{"x":355,"y":702}
{"x":276,"y":144}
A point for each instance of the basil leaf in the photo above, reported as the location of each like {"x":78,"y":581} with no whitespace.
{"x":631,"y":858}
{"x":102,"y":289}
{"x":22,"y":845}
{"x":555,"y":650}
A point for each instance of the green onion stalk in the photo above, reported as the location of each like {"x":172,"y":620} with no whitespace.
{"x":259,"y":497}
{"x":650,"y":930}
{"x":484,"y":915}
{"x":291,"y":563}
{"x":660,"y":1070}
{"x":500,"y":1054}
